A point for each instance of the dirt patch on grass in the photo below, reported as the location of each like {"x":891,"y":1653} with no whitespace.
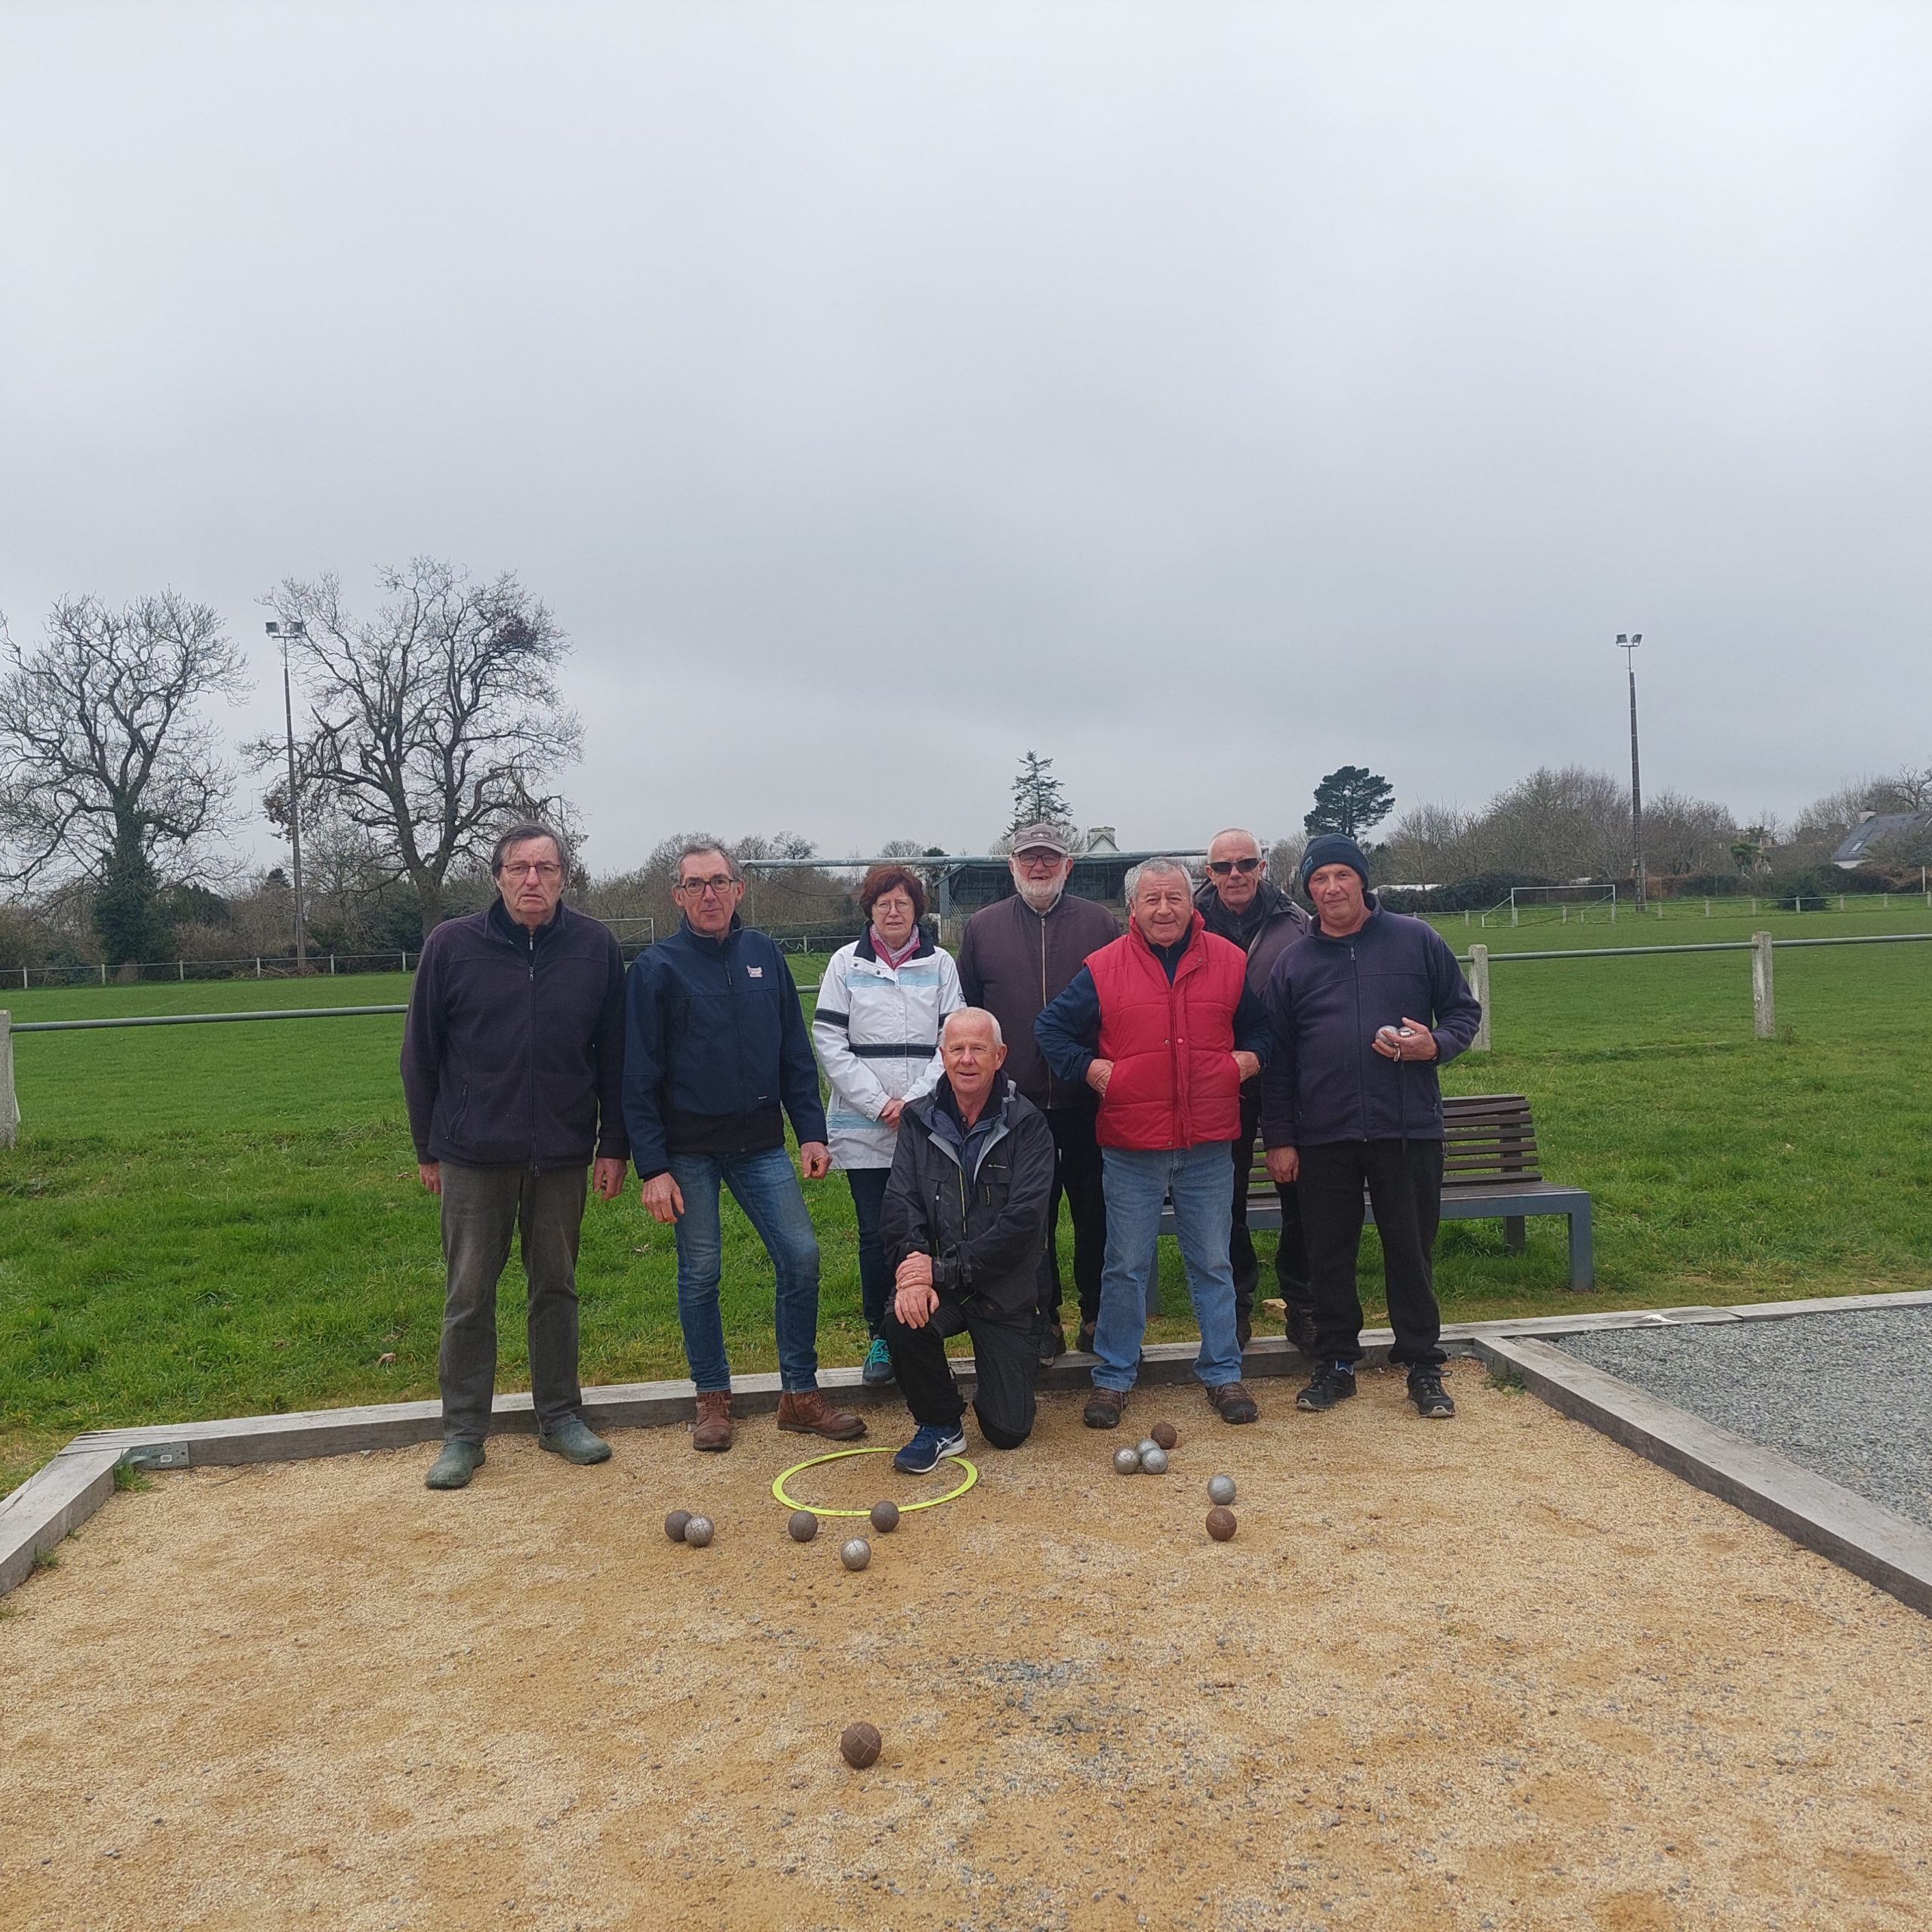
{"x":1494,"y":1672}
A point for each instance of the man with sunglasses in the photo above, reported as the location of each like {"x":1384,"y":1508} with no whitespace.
{"x":1241,"y":904}
{"x":716,"y":1057}
{"x":513,"y":1053}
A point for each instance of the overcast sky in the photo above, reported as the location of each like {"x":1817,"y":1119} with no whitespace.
{"x":1203,"y":395}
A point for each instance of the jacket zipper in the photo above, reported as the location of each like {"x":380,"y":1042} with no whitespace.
{"x":1361,"y":1066}
{"x":530,"y":1034}
{"x":1040,"y":919}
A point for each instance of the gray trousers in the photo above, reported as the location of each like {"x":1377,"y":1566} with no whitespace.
{"x":482,"y":1208}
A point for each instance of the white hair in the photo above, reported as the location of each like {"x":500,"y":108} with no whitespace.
{"x":1158,"y":868}
{"x":973,"y":1013}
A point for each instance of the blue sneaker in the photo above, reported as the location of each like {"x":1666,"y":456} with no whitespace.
{"x":878,"y":1365}
{"x":922,"y":1453}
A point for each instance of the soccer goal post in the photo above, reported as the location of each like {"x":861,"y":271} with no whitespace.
{"x":1560,"y":904}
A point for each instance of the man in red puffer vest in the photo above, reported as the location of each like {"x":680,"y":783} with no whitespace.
{"x":1162,"y":1024}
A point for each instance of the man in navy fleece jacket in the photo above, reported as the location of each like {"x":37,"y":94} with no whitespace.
{"x":1364,"y":1010}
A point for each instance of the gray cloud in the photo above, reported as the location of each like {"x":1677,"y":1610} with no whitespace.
{"x":1203,"y":396}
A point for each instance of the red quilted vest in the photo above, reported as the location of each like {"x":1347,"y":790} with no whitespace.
{"x":1174,"y":1082}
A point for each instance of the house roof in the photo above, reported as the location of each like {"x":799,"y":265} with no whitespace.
{"x":1860,"y":840}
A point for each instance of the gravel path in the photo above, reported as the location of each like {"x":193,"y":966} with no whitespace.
{"x":1849,"y":1395}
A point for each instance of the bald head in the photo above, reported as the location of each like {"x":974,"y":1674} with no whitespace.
{"x":1235,"y":867}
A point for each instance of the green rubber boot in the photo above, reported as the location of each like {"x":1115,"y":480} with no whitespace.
{"x":574,"y":1440}
{"x":453,"y":1468}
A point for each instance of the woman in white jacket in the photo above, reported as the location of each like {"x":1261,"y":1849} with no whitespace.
{"x":880,"y":1006}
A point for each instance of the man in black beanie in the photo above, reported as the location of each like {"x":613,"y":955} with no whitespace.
{"x":1364,"y":1010}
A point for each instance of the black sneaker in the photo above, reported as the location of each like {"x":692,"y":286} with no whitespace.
{"x":1332,"y":1383}
{"x":1052,"y":1343}
{"x":1083,"y":1340}
{"x":1299,"y":1325}
{"x":1426,"y":1391}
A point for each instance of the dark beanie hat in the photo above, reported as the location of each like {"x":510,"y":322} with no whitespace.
{"x":1332,"y":848}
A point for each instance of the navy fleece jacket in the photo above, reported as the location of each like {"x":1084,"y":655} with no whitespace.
{"x":1326,"y":998}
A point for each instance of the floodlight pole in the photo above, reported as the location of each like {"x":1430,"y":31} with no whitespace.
{"x":1628,"y":645}
{"x":283,"y":634}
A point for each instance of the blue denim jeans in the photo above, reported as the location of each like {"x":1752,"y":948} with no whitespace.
{"x":1137,"y":1184}
{"x":765,"y":1185}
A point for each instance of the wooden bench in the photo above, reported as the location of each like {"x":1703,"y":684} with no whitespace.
{"x":1490,"y":1172}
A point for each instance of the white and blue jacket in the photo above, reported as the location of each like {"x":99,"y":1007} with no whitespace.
{"x":877,"y":1033}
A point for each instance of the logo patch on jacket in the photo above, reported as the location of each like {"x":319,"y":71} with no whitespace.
{"x":755,"y":972}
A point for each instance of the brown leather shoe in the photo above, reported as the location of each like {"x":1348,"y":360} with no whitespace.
{"x":713,"y":1429}
{"x":807,"y":1413}
{"x":1233,"y":1403}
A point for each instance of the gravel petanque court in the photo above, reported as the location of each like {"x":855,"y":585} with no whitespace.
{"x":1847,"y":1393}
{"x":1497,"y":1672}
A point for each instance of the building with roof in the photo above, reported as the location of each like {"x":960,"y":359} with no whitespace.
{"x":1876,"y":830}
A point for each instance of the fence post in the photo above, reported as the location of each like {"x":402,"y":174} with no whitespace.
{"x":103,"y":972}
{"x":258,"y":966}
{"x":10,"y":1107}
{"x":1764,"y":1012}
{"x":331,"y":965}
{"x":1479,"y":985}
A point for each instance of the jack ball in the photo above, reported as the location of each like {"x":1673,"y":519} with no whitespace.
{"x":1220,"y":1489}
{"x":885,"y":1518}
{"x":674,"y":1524}
{"x":858,"y":1745}
{"x":1165,"y":1434}
{"x":857,"y":1554}
{"x":698,"y":1531}
{"x":801,"y":1526}
{"x":1220,"y":1524}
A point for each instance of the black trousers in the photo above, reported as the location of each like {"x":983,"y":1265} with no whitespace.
{"x":1076,"y":1175}
{"x":483,"y":1208}
{"x":1290,"y":1249}
{"x":1404,"y":1183}
{"x":1004,"y":1360}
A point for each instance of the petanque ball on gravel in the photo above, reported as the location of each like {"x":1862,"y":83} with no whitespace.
{"x":1221,"y":1490}
{"x":1126,"y":1460}
{"x":857,"y":1554}
{"x":1146,"y":1443}
{"x":1165,"y":1434}
{"x":674,"y":1524}
{"x":801,"y":1526}
{"x":698,"y":1531}
{"x":1220,"y":1524}
{"x":1154,"y":1460}
{"x":858,"y":1745}
{"x":884,"y":1518}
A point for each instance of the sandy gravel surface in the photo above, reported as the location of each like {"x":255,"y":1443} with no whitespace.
{"x":1495,"y":1673}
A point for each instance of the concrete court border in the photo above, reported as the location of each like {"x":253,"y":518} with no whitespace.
{"x":1865,"y":1538}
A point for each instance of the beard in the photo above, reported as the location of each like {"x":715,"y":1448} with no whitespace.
{"x":1041,"y":898}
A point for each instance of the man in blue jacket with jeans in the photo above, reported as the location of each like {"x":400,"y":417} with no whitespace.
{"x":512,"y":1055}
{"x":1364,"y":1010}
{"x":715,"y":1045}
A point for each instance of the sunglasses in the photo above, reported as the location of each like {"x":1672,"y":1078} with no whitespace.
{"x":1220,"y":868}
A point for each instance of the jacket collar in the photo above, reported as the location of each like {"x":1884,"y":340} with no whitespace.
{"x":705,"y":940}
{"x":501,"y":923}
{"x":924,"y":950}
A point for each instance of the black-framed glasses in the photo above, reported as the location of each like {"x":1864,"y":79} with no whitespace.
{"x":1220,"y":868}
{"x":701,"y":886}
{"x":543,"y":868}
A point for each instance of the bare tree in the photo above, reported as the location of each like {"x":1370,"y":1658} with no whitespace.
{"x":433,"y":722}
{"x":108,"y":772}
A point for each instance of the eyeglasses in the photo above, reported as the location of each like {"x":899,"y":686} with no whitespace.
{"x":1220,"y":868}
{"x":536,"y":868}
{"x":1038,"y":856}
{"x":722,"y":884}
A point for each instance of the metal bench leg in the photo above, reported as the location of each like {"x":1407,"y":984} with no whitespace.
{"x":1582,"y":1263}
{"x":1514,"y":1239}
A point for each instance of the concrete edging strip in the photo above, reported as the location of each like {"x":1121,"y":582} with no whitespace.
{"x":49,"y":1506}
{"x":1862,"y":1536}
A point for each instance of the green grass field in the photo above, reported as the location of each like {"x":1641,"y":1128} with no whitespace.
{"x":211,"y":1220}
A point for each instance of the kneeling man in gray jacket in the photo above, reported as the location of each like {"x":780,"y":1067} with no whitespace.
{"x":965,"y":1213}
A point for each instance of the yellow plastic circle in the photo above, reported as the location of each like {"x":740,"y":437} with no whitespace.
{"x":838,"y":1455}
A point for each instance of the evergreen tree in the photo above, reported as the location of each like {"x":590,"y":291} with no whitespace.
{"x":1351,"y":800}
{"x":1037,"y":794}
